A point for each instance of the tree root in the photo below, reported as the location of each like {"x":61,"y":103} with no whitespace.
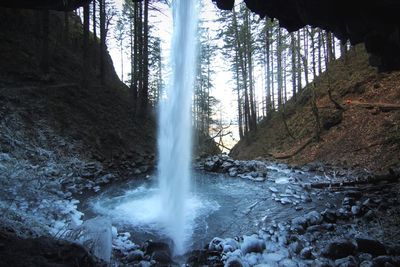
{"x":298,"y":150}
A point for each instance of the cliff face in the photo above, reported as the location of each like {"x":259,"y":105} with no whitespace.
{"x":60,"y":5}
{"x":374,"y":23}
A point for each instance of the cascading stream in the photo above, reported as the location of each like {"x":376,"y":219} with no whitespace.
{"x":175,"y":127}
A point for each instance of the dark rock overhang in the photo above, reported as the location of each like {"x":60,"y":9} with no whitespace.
{"x":60,"y":5}
{"x":373,"y":22}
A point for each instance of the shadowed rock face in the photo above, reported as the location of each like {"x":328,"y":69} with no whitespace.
{"x":373,"y":22}
{"x":61,"y":5}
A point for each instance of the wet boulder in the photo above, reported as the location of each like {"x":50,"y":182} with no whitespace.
{"x":252,"y":244}
{"x":370,"y":246}
{"x":162,"y":257}
{"x":313,"y":218}
{"x":349,"y":261}
{"x":339,"y":249}
{"x":211,"y":165}
{"x":151,"y":246}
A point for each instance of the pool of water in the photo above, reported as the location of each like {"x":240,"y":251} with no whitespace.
{"x":218,"y":205}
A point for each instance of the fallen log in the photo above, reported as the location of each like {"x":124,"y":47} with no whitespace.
{"x":378,"y":105}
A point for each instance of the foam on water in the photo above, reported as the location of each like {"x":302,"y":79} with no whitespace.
{"x":142,"y":208}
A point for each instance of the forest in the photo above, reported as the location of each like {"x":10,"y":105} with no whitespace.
{"x":199,"y":133}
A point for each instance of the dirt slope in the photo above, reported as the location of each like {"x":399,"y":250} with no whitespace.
{"x":366,"y":134}
{"x":96,"y":122}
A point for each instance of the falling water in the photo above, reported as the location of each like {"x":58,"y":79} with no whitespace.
{"x":174,"y":140}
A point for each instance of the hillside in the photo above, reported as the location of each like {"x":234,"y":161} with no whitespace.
{"x":365,"y":134}
{"x":53,"y":111}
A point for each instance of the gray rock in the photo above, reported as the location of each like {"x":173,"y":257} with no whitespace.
{"x":226,"y":166}
{"x":161,"y":256}
{"x":370,"y":246}
{"x":339,"y":249}
{"x":210,"y":166}
{"x":366,"y":263}
{"x":369,"y":215}
{"x":313,"y":218}
{"x":306,"y":198}
{"x":144,"y":264}
{"x":285,"y":201}
{"x":136,"y":255}
{"x":355,"y":210}
{"x":348,"y":201}
{"x":306,"y":253}
{"x":384,"y":260}
{"x":298,"y":224}
{"x":144,"y":169}
{"x":252,"y":244}
{"x":364,"y":256}
{"x":323,"y":263}
{"x":296,"y":247}
{"x":273,"y":189}
{"x":233,"y":172}
{"x":234,"y":262}
{"x":329,"y":215}
{"x":273,"y":257}
{"x":349,"y":261}
{"x":253,"y":174}
{"x":216,"y":244}
{"x":288,"y":263}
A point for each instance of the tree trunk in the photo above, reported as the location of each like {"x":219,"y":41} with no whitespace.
{"x":293,"y":51}
{"x":272,"y":77}
{"x":268,"y":74}
{"x":343,"y":51}
{"x":66,"y":28}
{"x":85,"y":71}
{"x":135,"y":56}
{"x":305,"y":56}
{"x":279,"y":66}
{"x":314,"y":64}
{"x":94,"y":21}
{"x":329,"y":47}
{"x":140,"y":54}
{"x":102,"y":40}
{"x":319,"y":52}
{"x":299,"y":67}
{"x":45,"y":60}
{"x":143,"y":93}
{"x":315,"y":111}
{"x":243,"y":68}
{"x":253,"y":115}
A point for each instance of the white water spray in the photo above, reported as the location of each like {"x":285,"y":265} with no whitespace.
{"x":175,"y":128}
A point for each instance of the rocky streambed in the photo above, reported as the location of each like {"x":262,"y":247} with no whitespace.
{"x":246,"y":213}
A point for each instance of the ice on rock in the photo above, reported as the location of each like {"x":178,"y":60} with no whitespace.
{"x":122,"y":243}
{"x":252,"y":244}
{"x":216,"y":244}
{"x":230,"y":244}
{"x":235,"y":261}
{"x":272,"y":257}
{"x":96,"y":235}
{"x":253,"y":258}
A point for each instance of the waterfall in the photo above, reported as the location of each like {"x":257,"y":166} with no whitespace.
{"x":175,"y":127}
